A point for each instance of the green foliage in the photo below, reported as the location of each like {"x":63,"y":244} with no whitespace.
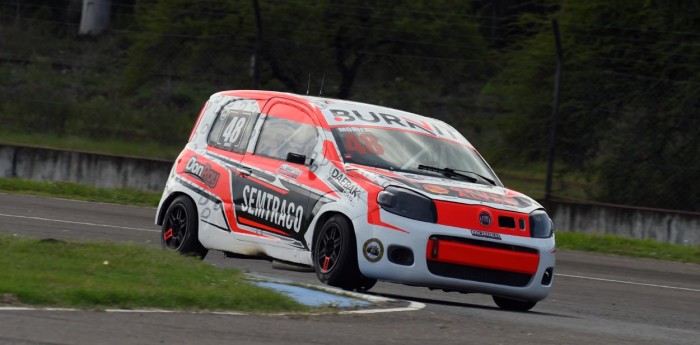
{"x":628,"y":115}
{"x":357,"y":49}
{"x":185,"y":41}
{"x":101,"y":275}
{"x":628,"y":112}
{"x":147,"y":78}
{"x":145,"y":149}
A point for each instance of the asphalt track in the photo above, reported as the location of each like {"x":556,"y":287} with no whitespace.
{"x":596,"y":299}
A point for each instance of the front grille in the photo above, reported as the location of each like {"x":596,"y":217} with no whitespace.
{"x":479,"y":274}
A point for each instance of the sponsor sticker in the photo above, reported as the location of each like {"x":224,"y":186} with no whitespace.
{"x":368,"y":117}
{"x":373,"y":250}
{"x":272,"y":209}
{"x":436,"y":189}
{"x":203,"y":171}
{"x":343,"y":184}
{"x":472,"y":193}
{"x":289,"y":171}
{"x":486,"y":234}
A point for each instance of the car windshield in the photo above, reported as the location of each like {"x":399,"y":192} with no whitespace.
{"x":399,"y":150}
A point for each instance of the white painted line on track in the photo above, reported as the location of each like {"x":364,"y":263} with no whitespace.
{"x":626,"y":282}
{"x":413,"y":306}
{"x":35,"y":309}
{"x":171,"y":311}
{"x":78,"y":223}
{"x":78,"y":200}
{"x":152,"y":311}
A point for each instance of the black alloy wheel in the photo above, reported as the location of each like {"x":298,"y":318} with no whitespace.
{"x":330,"y":247}
{"x":180,"y":228}
{"x":335,"y":257}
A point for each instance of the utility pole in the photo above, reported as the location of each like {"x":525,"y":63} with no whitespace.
{"x":94,"y":18}
{"x":555,"y":111}
{"x":17,"y":12}
{"x":258,"y":46}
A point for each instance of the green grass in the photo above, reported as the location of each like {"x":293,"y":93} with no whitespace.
{"x":609,"y":244}
{"x":531,"y":181}
{"x":80,"y":192}
{"x":111,"y":147}
{"x":105,"y":275}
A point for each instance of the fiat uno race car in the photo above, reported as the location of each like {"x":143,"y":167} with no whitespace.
{"x":357,"y":191}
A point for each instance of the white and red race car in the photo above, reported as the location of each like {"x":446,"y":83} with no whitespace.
{"x":358,"y":191}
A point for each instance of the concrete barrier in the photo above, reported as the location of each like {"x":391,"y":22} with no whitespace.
{"x":46,"y":164}
{"x":106,"y":171}
{"x":633,"y":222}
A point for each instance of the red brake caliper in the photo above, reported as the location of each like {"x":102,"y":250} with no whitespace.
{"x":168,"y":234}
{"x":326,"y":262}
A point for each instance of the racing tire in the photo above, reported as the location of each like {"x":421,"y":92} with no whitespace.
{"x":513,"y":304}
{"x":335,"y":256}
{"x":180,"y":228}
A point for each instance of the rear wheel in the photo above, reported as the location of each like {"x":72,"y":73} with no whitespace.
{"x":335,"y":256}
{"x":180,"y":228}
{"x":513,"y":304}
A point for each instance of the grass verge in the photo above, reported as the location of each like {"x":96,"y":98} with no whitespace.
{"x":105,"y":275}
{"x":80,"y":192}
{"x":609,"y":244}
{"x":111,"y":147}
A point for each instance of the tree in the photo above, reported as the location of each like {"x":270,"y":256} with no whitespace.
{"x":198,"y":41}
{"x":629,"y":105}
{"x":427,"y":41}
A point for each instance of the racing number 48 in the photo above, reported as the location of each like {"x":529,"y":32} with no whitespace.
{"x":233,"y":131}
{"x":366,"y":142}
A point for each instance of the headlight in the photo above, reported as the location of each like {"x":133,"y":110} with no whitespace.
{"x":540,"y":224}
{"x":407,"y":203}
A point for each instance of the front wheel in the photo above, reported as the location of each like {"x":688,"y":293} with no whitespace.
{"x":335,"y":256}
{"x":513,"y":304}
{"x":180,"y":228}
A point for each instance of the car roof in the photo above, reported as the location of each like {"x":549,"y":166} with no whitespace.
{"x":324,"y":103}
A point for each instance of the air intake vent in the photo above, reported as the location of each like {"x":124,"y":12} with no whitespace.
{"x":506,"y":222}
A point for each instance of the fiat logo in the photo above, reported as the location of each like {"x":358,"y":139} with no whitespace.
{"x":485,"y":219}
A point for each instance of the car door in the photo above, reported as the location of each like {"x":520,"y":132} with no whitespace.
{"x":271,"y":195}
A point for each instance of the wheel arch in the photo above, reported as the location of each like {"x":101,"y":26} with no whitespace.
{"x":166,"y":204}
{"x":322,"y":221}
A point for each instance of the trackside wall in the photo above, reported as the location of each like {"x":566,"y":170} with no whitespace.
{"x":46,"y":164}
{"x":633,"y":222}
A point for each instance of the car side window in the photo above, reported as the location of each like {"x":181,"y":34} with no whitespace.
{"x":281,"y":136}
{"x":233,"y":126}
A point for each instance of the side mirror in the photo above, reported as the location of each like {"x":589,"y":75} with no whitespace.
{"x":296,"y":158}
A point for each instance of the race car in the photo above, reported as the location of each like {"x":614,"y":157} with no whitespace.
{"x":359,"y":192}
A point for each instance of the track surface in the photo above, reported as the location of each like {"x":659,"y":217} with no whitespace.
{"x":596,"y":299}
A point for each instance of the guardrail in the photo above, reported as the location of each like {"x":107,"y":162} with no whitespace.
{"x":107,"y":171}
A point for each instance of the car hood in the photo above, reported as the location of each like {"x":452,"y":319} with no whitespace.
{"x":451,"y":190}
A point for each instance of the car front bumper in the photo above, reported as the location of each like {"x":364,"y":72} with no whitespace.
{"x":451,"y":258}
